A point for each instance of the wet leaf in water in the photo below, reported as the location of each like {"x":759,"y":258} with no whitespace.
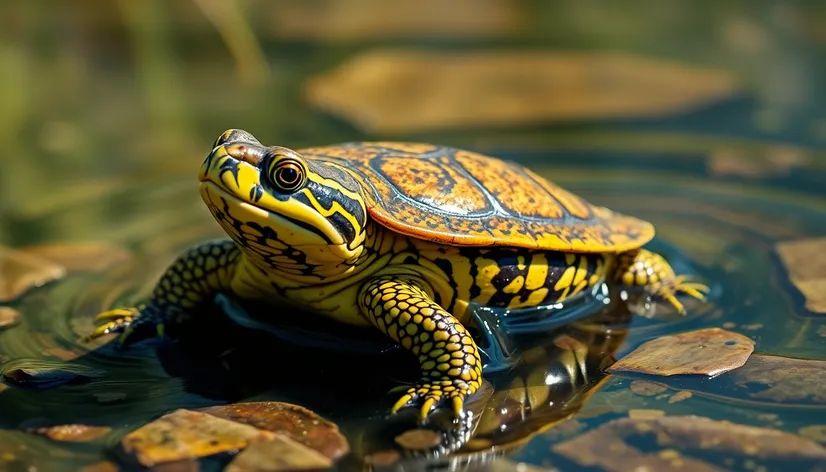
{"x":642,"y":414}
{"x":787,"y":379}
{"x":42,"y":375}
{"x":606,"y":445}
{"x":22,"y":271}
{"x":185,"y":434}
{"x":294,"y":421}
{"x":278,"y":454}
{"x":805,"y":259}
{"x":383,"y":458}
{"x":709,"y":351}
{"x":88,"y":256}
{"x":646,"y":388}
{"x":814,"y":432}
{"x":71,"y":432}
{"x":418,"y":439}
{"x":680,"y":396}
{"x":8,"y":317}
{"x":501,"y":87}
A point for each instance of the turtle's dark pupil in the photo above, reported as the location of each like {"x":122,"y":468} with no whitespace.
{"x":289,"y":175}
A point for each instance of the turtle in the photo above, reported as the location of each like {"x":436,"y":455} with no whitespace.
{"x":400,"y":237}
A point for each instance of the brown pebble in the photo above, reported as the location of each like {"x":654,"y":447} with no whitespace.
{"x":680,"y":396}
{"x":8,"y":317}
{"x":383,"y":458}
{"x":279,"y":453}
{"x":646,"y":388}
{"x":417,"y":439}
{"x":105,"y":466}
{"x":643,"y":414}
{"x":72,"y":432}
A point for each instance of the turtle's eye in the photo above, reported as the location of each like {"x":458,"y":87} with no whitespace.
{"x":287,"y":173}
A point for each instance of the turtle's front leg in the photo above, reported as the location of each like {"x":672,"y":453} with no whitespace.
{"x":195,"y":277}
{"x":451,"y":367}
{"x":649,"y":270}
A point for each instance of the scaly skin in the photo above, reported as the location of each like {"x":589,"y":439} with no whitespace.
{"x":304,"y":236}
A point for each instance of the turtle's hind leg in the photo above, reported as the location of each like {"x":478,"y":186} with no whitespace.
{"x":192,"y":279}
{"x":650,"y":271}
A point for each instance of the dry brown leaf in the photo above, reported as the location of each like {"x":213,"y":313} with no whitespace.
{"x":87,"y":256}
{"x":805,"y":259}
{"x":709,"y":351}
{"x":8,"y":317}
{"x":408,"y":90}
{"x":20,"y":272}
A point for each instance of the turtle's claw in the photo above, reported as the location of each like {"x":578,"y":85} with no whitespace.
{"x":682,"y":285}
{"x":433,"y":395}
{"x":134,"y":324}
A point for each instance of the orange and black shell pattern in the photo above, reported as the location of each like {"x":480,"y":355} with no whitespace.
{"x":458,"y":197}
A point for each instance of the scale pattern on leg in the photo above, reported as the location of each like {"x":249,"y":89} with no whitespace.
{"x":449,"y":359}
{"x":646,"y":269}
{"x":193,"y":278}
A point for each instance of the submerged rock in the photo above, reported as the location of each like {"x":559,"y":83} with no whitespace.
{"x":418,"y":439}
{"x":43,"y":375}
{"x":71,"y":432}
{"x":272,"y":435}
{"x":279,"y":453}
{"x":296,"y":422}
{"x":185,"y":434}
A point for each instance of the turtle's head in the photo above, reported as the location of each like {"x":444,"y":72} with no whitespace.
{"x":299,"y":215}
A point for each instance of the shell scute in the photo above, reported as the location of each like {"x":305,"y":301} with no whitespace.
{"x":459,"y":197}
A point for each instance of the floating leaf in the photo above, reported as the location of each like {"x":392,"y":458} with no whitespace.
{"x":87,"y":256}
{"x":8,"y":317}
{"x":805,"y":259}
{"x":21,"y":272}
{"x":709,"y":351}
{"x":502,"y":87}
